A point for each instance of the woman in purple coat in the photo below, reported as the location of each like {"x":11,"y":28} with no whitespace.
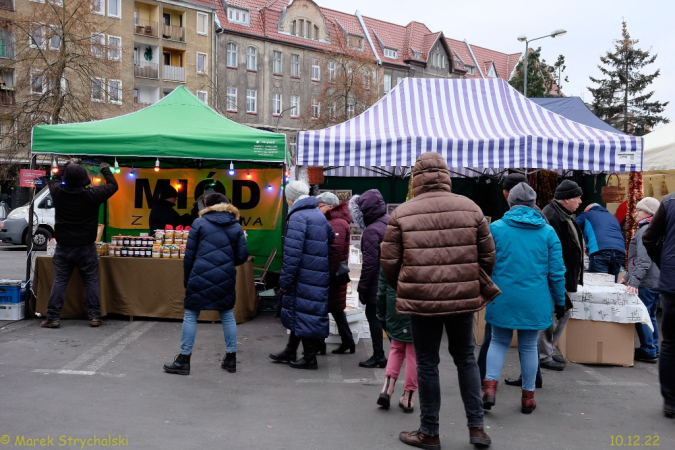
{"x":339,"y":218}
{"x":370,"y":213}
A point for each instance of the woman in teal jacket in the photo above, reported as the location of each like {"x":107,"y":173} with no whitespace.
{"x":530,"y":272}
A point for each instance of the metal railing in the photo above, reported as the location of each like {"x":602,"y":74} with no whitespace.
{"x":173,"y":32}
{"x":7,"y":4}
{"x":146,"y":70}
{"x":7,"y":96}
{"x":173,"y":73}
{"x":145,"y":28}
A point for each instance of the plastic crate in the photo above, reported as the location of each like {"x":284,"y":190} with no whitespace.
{"x":12,"y":311}
{"x":267,"y":301}
{"x":12,"y":293}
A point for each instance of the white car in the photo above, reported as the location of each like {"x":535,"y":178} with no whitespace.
{"x":15,"y":226}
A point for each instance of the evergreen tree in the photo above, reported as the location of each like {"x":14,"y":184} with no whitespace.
{"x":539,"y":79}
{"x":620,"y":98}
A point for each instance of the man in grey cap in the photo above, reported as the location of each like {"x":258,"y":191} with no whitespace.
{"x":560,"y":215}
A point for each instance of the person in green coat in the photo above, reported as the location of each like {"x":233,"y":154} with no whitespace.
{"x":399,"y":332}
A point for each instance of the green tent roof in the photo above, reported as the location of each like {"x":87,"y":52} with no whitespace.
{"x":178,"y":126}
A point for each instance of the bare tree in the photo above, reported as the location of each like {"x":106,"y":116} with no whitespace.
{"x":65,"y":67}
{"x":352,"y":86}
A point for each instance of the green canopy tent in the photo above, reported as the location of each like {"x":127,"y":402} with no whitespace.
{"x":180,"y":126}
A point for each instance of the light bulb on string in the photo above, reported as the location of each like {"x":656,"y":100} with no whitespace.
{"x":179,"y":186}
{"x":55,"y":167}
{"x":117,"y":167}
{"x":157,"y":165}
{"x":231,"y":171}
{"x":269,"y":187}
{"x":131,"y":173}
{"x":248,"y":174}
{"x":286,"y":176}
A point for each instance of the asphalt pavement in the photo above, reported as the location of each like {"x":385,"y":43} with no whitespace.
{"x":76,"y":382}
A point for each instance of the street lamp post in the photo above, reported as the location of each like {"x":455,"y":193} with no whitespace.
{"x":523,"y":38}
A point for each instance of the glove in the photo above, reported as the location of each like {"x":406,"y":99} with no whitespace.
{"x":104,"y":165}
{"x":362,"y":298}
{"x":280,"y":294}
{"x":560,"y":311}
{"x":383,"y":322}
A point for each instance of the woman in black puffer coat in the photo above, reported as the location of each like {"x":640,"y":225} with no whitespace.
{"x":370,"y":212}
{"x":216,"y":245}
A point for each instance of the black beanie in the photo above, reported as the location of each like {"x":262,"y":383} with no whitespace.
{"x":511,"y":180}
{"x":168,"y":192}
{"x":216,"y":198}
{"x":76,"y":176}
{"x":567,"y":189}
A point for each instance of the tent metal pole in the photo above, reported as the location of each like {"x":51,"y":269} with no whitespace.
{"x":31,"y":211}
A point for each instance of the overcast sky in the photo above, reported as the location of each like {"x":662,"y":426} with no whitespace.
{"x":591,"y":26}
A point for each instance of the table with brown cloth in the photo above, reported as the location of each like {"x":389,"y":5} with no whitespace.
{"x":142,"y":287}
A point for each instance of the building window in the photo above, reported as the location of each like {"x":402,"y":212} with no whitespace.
{"x":355,"y":42}
{"x":387,"y":83}
{"x":276,"y":63}
{"x":201,"y":62}
{"x":202,"y":23}
{"x":295,"y":66}
{"x":115,"y":91}
{"x":330,"y":110}
{"x":114,"y":48}
{"x":295,"y":105}
{"x":232,"y":55}
{"x":316,"y":69}
{"x":316,"y":109}
{"x":97,"y":90}
{"x":398,"y":80}
{"x":114,"y":8}
{"x":350,"y":111}
{"x":37,"y":82}
{"x":236,"y":15}
{"x":37,"y":35}
{"x":276,"y":104}
{"x":251,"y":101}
{"x":443,"y":61}
{"x":54,"y":38}
{"x":390,"y":53}
{"x":492,"y":73}
{"x":98,"y":44}
{"x":97,"y":6}
{"x":231,"y":98}
{"x":203,"y":96}
{"x":331,"y":71}
{"x":471,"y":70}
{"x":251,"y":58}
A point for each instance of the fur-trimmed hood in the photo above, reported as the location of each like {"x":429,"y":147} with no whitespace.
{"x":221,"y":214}
{"x":221,"y":207}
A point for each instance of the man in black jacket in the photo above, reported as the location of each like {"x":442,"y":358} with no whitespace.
{"x":76,"y":213}
{"x":163,"y":214}
{"x":559,"y":214}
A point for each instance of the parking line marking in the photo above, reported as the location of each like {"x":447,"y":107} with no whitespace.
{"x":603,"y":380}
{"x":98,"y":348}
{"x":77,"y":372}
{"x":119,"y":347}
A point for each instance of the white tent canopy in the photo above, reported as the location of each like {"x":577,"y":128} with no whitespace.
{"x":659,"y":149}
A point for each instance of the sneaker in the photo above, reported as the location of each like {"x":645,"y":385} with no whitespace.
{"x":96,"y":322}
{"x":418,"y":439}
{"x":49,"y":323}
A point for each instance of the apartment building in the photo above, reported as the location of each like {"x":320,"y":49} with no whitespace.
{"x":278,"y":55}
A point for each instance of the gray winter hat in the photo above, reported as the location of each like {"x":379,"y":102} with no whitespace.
{"x":295,"y":189}
{"x":522,"y":195}
{"x":328,"y":198}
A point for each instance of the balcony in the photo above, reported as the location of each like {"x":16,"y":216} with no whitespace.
{"x":174,"y":73}
{"x":7,"y":95}
{"x":173,"y":33}
{"x":146,"y":70}
{"x":140,"y":105}
{"x":145,"y":28}
{"x":7,"y":4}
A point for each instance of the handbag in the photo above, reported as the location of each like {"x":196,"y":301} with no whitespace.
{"x":341,"y":274}
{"x":488,"y":290}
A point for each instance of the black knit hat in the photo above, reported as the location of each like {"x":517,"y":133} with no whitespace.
{"x":168,"y":191}
{"x":76,"y":176}
{"x":512,"y":179}
{"x":215,"y":198}
{"x":567,"y":189}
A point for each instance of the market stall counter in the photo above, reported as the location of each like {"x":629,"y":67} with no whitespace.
{"x":141,"y":287}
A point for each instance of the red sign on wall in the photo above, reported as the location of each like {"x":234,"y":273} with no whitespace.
{"x":27,"y":177}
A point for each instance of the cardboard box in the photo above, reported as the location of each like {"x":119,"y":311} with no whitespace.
{"x":479,"y":329}
{"x":593,"y":342}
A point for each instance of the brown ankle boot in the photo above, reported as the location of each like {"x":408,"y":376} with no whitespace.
{"x":384,"y":400}
{"x":478,"y":437}
{"x":406,"y":402}
{"x":527,"y":402}
{"x":489,"y":393}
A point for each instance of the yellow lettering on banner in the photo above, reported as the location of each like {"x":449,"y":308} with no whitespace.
{"x":256,"y":193}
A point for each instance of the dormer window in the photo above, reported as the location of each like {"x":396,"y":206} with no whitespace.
{"x":492,"y":73}
{"x":238,"y":15}
{"x":471,"y":70}
{"x":355,"y":42}
{"x":305,"y":29}
{"x":390,"y":53}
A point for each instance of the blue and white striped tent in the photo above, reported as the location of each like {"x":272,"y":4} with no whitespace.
{"x":475,"y":124}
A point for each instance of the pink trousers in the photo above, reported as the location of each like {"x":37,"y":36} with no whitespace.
{"x":399,"y":352}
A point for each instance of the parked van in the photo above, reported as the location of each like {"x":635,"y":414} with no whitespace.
{"x":15,"y":226}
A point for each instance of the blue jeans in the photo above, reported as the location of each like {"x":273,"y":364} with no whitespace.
{"x":187,"y":338}
{"x":606,"y":261}
{"x":427,"y":332}
{"x":527,"y":347}
{"x":482,"y":355}
{"x":649,"y":341}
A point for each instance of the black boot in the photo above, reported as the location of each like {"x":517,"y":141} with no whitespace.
{"x":377,"y":360}
{"x":322,"y":348}
{"x":230,"y":362}
{"x":344,"y":348}
{"x":180,"y":365}
{"x":538,"y":383}
{"x":286,"y":356}
{"x":308,"y":360}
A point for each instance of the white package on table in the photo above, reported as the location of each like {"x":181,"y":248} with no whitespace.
{"x":608,"y":304}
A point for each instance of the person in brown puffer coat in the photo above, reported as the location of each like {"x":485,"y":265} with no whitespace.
{"x":435,"y":247}
{"x":337,"y":214}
